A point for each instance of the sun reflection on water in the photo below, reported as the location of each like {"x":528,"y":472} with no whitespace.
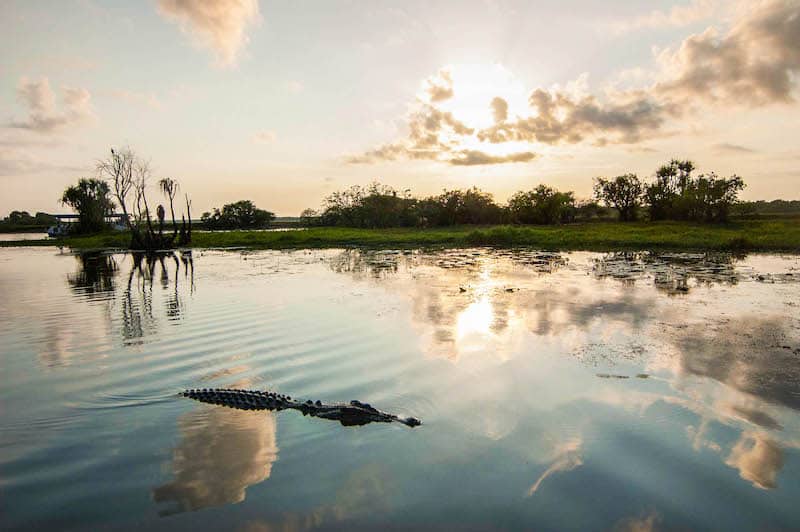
{"x":475,"y":320}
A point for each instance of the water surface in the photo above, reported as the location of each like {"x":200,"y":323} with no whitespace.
{"x":10,"y":237}
{"x":557,"y":391}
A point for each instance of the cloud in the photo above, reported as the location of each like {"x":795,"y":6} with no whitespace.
{"x":44,"y":115}
{"x":745,"y":354}
{"x":568,"y":456}
{"x":432,"y":134}
{"x":13,"y":163}
{"x":758,"y":459}
{"x":677,"y":16}
{"x":725,"y":147}
{"x":499,"y":109}
{"x":756,"y":416}
{"x":264,"y":137}
{"x":561,"y":117}
{"x":754,"y":64}
{"x":645,"y":523}
{"x":476,"y":157}
{"x":219,"y":25}
{"x":221,"y":452}
{"x":440,"y":87}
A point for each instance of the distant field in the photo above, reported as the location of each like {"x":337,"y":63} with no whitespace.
{"x":766,"y":235}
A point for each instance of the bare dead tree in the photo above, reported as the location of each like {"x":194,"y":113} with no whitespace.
{"x":129,"y":176}
{"x":170,"y":189}
{"x":118,"y":169}
{"x":189,"y":216}
{"x":141,"y":172}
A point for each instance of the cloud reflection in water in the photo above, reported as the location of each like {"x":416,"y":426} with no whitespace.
{"x":731,"y":360}
{"x":221,"y":453}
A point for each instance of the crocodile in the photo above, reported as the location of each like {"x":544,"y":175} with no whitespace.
{"x":348,"y":414}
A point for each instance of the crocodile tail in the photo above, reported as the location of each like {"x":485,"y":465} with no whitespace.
{"x":241,"y":399}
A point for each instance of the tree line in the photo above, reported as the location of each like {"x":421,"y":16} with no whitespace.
{"x":673,"y":194}
{"x":238,"y":215}
{"x":24,"y":220}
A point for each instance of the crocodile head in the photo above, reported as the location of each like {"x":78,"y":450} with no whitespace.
{"x":410,"y":421}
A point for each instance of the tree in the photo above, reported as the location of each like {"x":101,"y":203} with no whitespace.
{"x":90,"y":199}
{"x":25,"y":218}
{"x":239,"y":215}
{"x":586,"y":210}
{"x":118,"y":169}
{"x":309,"y":217}
{"x":542,"y":205}
{"x":471,"y":206}
{"x":676,"y":195}
{"x":129,"y":176}
{"x":710,"y":197}
{"x":623,"y":192}
{"x":170,"y":188}
{"x":478,"y":207}
{"x":666,"y":196}
{"x":20,"y":218}
{"x":374,"y":206}
{"x":42,"y":218}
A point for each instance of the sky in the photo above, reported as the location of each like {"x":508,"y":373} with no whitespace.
{"x":284,"y":102}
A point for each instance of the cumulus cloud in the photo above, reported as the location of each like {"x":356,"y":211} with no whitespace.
{"x":477,"y":157}
{"x":561,"y":117}
{"x":758,"y":459}
{"x":756,"y":63}
{"x":440,"y":87}
{"x":44,"y":114}
{"x":499,"y":109}
{"x":432,"y":135}
{"x":219,"y":25}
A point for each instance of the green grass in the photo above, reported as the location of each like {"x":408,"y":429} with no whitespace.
{"x":755,"y":235}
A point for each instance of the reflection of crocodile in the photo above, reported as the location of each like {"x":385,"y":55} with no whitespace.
{"x":354,"y":413}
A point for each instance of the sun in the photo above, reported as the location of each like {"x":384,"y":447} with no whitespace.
{"x":474,"y":87}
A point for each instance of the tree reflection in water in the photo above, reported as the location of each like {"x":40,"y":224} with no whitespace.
{"x":95,"y":275}
{"x":97,"y":279}
{"x":672,"y":273}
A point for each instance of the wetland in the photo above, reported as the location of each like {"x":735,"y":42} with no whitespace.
{"x":557,"y":390}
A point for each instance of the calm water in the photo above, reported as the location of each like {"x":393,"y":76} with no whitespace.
{"x":557,"y":391}
{"x":8,"y":237}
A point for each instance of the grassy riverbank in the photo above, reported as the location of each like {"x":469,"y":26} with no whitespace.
{"x":755,"y":235}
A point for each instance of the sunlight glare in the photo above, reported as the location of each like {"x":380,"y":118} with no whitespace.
{"x":474,"y":87}
{"x":476,"y":319}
